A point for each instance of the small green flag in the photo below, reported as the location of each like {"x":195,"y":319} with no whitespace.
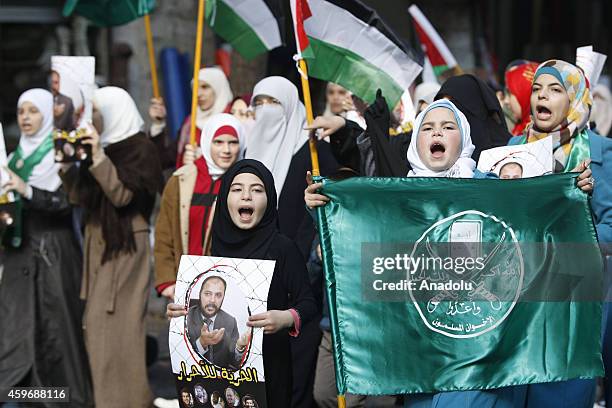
{"x":107,"y":13}
{"x":439,"y":284}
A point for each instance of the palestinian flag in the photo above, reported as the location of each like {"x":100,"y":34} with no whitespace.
{"x":346,"y":42}
{"x":249,"y":26}
{"x":433,"y":45}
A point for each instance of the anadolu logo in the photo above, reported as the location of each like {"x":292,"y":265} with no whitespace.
{"x":471,"y":274}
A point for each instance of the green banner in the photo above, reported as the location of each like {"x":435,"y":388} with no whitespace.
{"x":440,"y":284}
{"x":107,"y":13}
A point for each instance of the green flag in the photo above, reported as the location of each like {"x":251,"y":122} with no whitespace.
{"x":439,"y":284}
{"x":106,"y":13}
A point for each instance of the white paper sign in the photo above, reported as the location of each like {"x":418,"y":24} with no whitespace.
{"x":535,"y":159}
{"x":591,"y":62}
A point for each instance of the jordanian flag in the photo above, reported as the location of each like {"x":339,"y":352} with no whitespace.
{"x":251,"y":27}
{"x":456,"y":283}
{"x":346,"y":42}
{"x":436,"y":50}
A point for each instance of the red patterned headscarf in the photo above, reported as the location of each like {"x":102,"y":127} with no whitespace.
{"x":518,"y":80}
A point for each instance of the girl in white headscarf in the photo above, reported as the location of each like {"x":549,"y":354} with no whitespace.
{"x":214,"y":96}
{"x":188,"y":202}
{"x":442,"y":145}
{"x":42,"y":343}
{"x":117,"y":188}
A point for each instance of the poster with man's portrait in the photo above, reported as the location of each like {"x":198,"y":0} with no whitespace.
{"x":216,"y":358}
{"x":518,"y":161}
{"x":72,"y":85}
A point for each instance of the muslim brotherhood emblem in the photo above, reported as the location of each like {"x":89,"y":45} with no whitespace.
{"x":467,"y":274}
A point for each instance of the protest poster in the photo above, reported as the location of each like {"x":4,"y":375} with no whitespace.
{"x":530,"y":159}
{"x":216,"y":359}
{"x":72,"y":85}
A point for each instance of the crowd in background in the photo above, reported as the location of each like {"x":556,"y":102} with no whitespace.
{"x":78,"y":271}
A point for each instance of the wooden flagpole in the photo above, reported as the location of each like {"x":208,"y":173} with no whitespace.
{"x":312,"y":141}
{"x":151,"y":51}
{"x":196,"y":71}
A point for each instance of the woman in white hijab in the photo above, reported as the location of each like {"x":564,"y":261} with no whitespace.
{"x":117,"y":188}
{"x":188,"y":203}
{"x":214,"y":96}
{"x":280,"y":142}
{"x":279,"y":132}
{"x":41,"y":343}
{"x":424,"y":94}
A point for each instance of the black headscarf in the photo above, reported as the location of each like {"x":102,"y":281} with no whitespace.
{"x":481,"y":107}
{"x":230,"y":241}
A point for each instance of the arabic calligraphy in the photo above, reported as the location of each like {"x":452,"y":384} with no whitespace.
{"x":209,"y":371}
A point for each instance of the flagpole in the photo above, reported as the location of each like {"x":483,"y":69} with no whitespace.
{"x":312,"y":141}
{"x":151,"y":51}
{"x":196,"y":71}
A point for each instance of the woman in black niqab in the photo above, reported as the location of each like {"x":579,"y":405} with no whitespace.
{"x":479,"y":104}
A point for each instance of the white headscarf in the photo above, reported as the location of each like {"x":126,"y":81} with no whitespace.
{"x":45,"y":174}
{"x":602,"y":109}
{"x":425,"y":92}
{"x":463,"y":167}
{"x":279,"y":130}
{"x":215,"y":123}
{"x":119,"y":114}
{"x":223,"y":94}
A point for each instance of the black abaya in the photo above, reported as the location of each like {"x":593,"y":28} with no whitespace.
{"x":290,"y":287}
{"x":41,"y":341}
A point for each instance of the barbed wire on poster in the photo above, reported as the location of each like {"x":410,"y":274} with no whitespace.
{"x":216,"y":358}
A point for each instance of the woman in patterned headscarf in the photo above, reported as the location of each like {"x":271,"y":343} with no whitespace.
{"x":560,"y":108}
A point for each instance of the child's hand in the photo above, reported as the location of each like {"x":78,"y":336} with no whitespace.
{"x":271,"y":321}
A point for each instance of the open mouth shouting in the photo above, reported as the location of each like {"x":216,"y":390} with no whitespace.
{"x":543,"y":113}
{"x":246,"y":213}
{"x":437,"y":150}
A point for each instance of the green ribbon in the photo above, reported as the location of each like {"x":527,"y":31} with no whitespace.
{"x":23,"y":167}
{"x":581,"y":150}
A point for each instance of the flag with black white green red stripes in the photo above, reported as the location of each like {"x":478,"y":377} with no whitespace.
{"x":346,"y":42}
{"x":251,"y":27}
